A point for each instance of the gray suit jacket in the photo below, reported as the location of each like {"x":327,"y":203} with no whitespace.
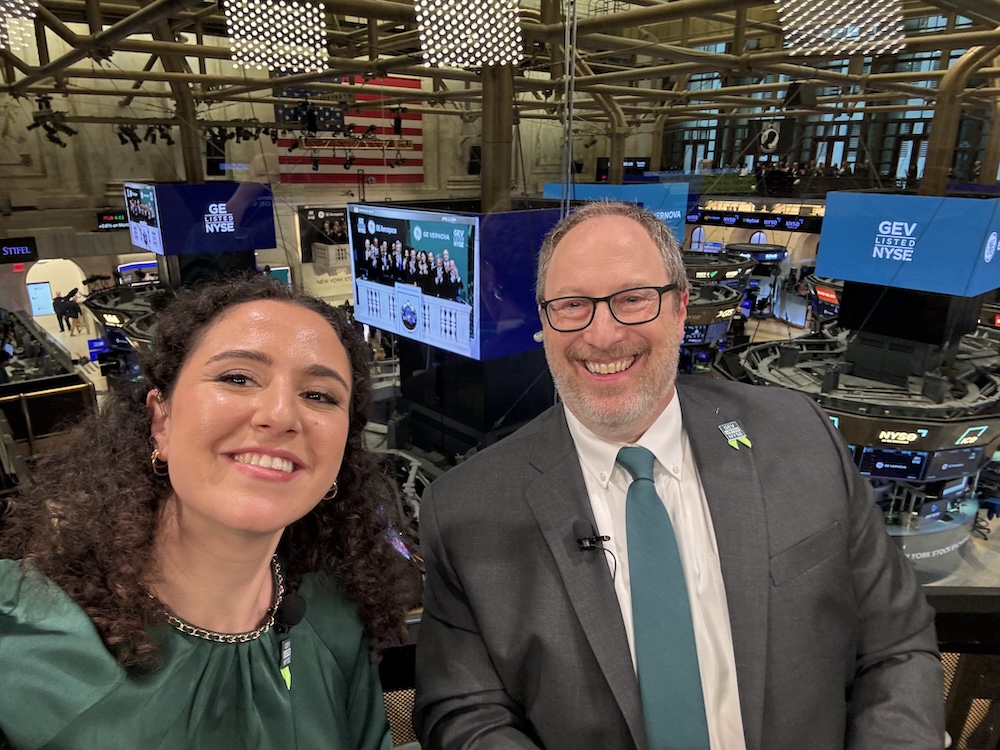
{"x":522,"y":642}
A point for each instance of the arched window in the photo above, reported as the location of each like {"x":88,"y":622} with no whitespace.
{"x":758,"y":238}
{"x":698,"y":239}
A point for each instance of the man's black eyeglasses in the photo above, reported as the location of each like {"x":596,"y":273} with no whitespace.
{"x":630,"y":307}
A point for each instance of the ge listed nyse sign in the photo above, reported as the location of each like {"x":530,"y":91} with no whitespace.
{"x":218,"y":220}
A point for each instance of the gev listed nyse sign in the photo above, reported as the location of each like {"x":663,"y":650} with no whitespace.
{"x":895,"y":240}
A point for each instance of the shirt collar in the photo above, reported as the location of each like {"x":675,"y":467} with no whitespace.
{"x":663,"y":439}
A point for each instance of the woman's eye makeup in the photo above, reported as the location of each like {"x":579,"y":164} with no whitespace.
{"x":235,"y":378}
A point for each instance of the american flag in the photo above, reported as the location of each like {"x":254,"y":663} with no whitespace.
{"x":369,"y":154}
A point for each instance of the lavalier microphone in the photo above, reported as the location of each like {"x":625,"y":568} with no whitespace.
{"x":538,"y":336}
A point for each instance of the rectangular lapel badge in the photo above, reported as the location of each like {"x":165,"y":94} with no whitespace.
{"x":735,"y":435}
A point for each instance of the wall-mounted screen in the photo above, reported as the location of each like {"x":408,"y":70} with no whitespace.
{"x":112,"y":221}
{"x":40,"y":298}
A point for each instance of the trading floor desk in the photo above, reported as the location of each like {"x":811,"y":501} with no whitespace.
{"x":968,"y":628}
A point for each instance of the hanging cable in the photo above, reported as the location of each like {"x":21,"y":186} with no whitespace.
{"x":569,"y":77}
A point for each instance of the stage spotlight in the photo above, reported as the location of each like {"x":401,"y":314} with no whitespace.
{"x":150,"y":134}
{"x":369,"y":131}
{"x":293,"y":145}
{"x":315,"y":164}
{"x":398,"y":161}
{"x":590,"y":141}
{"x":52,"y":136}
{"x":165,"y":135}
{"x":349,"y":130}
{"x":121,"y":137}
{"x":133,"y":137}
{"x":63,"y":127}
{"x":349,"y":161}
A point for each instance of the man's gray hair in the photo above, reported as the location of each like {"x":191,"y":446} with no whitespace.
{"x":661,"y":235}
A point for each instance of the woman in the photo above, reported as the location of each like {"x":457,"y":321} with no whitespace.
{"x":162,"y":552}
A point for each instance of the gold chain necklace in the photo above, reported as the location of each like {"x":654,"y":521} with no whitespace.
{"x":251,"y":635}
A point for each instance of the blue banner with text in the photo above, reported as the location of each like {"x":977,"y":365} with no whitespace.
{"x":928,"y":243}
{"x":667,"y":200}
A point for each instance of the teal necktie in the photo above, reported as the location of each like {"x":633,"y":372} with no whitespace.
{"x":666,"y":657}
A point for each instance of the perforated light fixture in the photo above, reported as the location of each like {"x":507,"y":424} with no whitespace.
{"x":477,"y":34}
{"x":865,"y":27}
{"x":16,"y":30}
{"x":282,"y":35}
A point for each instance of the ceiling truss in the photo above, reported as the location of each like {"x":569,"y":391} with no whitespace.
{"x":641,"y":57}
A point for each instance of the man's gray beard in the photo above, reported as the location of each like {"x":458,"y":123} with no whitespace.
{"x":618,"y":421}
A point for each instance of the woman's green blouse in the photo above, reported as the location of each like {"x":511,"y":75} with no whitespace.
{"x":61,"y":689}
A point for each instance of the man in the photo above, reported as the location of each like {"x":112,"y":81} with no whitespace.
{"x":59,"y":308}
{"x":801,"y":626}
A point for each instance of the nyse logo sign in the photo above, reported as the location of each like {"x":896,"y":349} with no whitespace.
{"x":218,"y":220}
{"x":895,"y":241}
{"x":900,"y":437}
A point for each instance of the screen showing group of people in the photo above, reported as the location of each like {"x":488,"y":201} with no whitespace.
{"x":429,"y":250}
{"x":435,"y":273}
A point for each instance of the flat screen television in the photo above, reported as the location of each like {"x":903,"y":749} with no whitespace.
{"x":462,"y":282}
{"x":891,"y":463}
{"x":215,"y":217}
{"x":415,"y":274}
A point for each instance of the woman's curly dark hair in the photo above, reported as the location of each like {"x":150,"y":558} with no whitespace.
{"x":88,"y":517}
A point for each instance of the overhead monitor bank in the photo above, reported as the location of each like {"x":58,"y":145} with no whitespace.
{"x":927,"y":244}
{"x":462,"y":282}
{"x":667,"y":200}
{"x":215,"y":217}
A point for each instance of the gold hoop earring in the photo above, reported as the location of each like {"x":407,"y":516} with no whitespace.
{"x":159,"y":467}
{"x":332,"y":492}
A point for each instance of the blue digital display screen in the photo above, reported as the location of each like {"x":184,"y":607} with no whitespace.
{"x":215,"y":217}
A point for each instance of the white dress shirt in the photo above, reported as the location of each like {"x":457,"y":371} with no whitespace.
{"x":679,"y":486}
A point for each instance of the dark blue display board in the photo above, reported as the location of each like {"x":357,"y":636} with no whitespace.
{"x":668,"y":200}
{"x":930,"y":244}
{"x":462,"y":282}
{"x":216,"y":217}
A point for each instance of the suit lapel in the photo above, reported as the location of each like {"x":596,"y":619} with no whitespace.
{"x":735,"y":500}
{"x":558,"y":498}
